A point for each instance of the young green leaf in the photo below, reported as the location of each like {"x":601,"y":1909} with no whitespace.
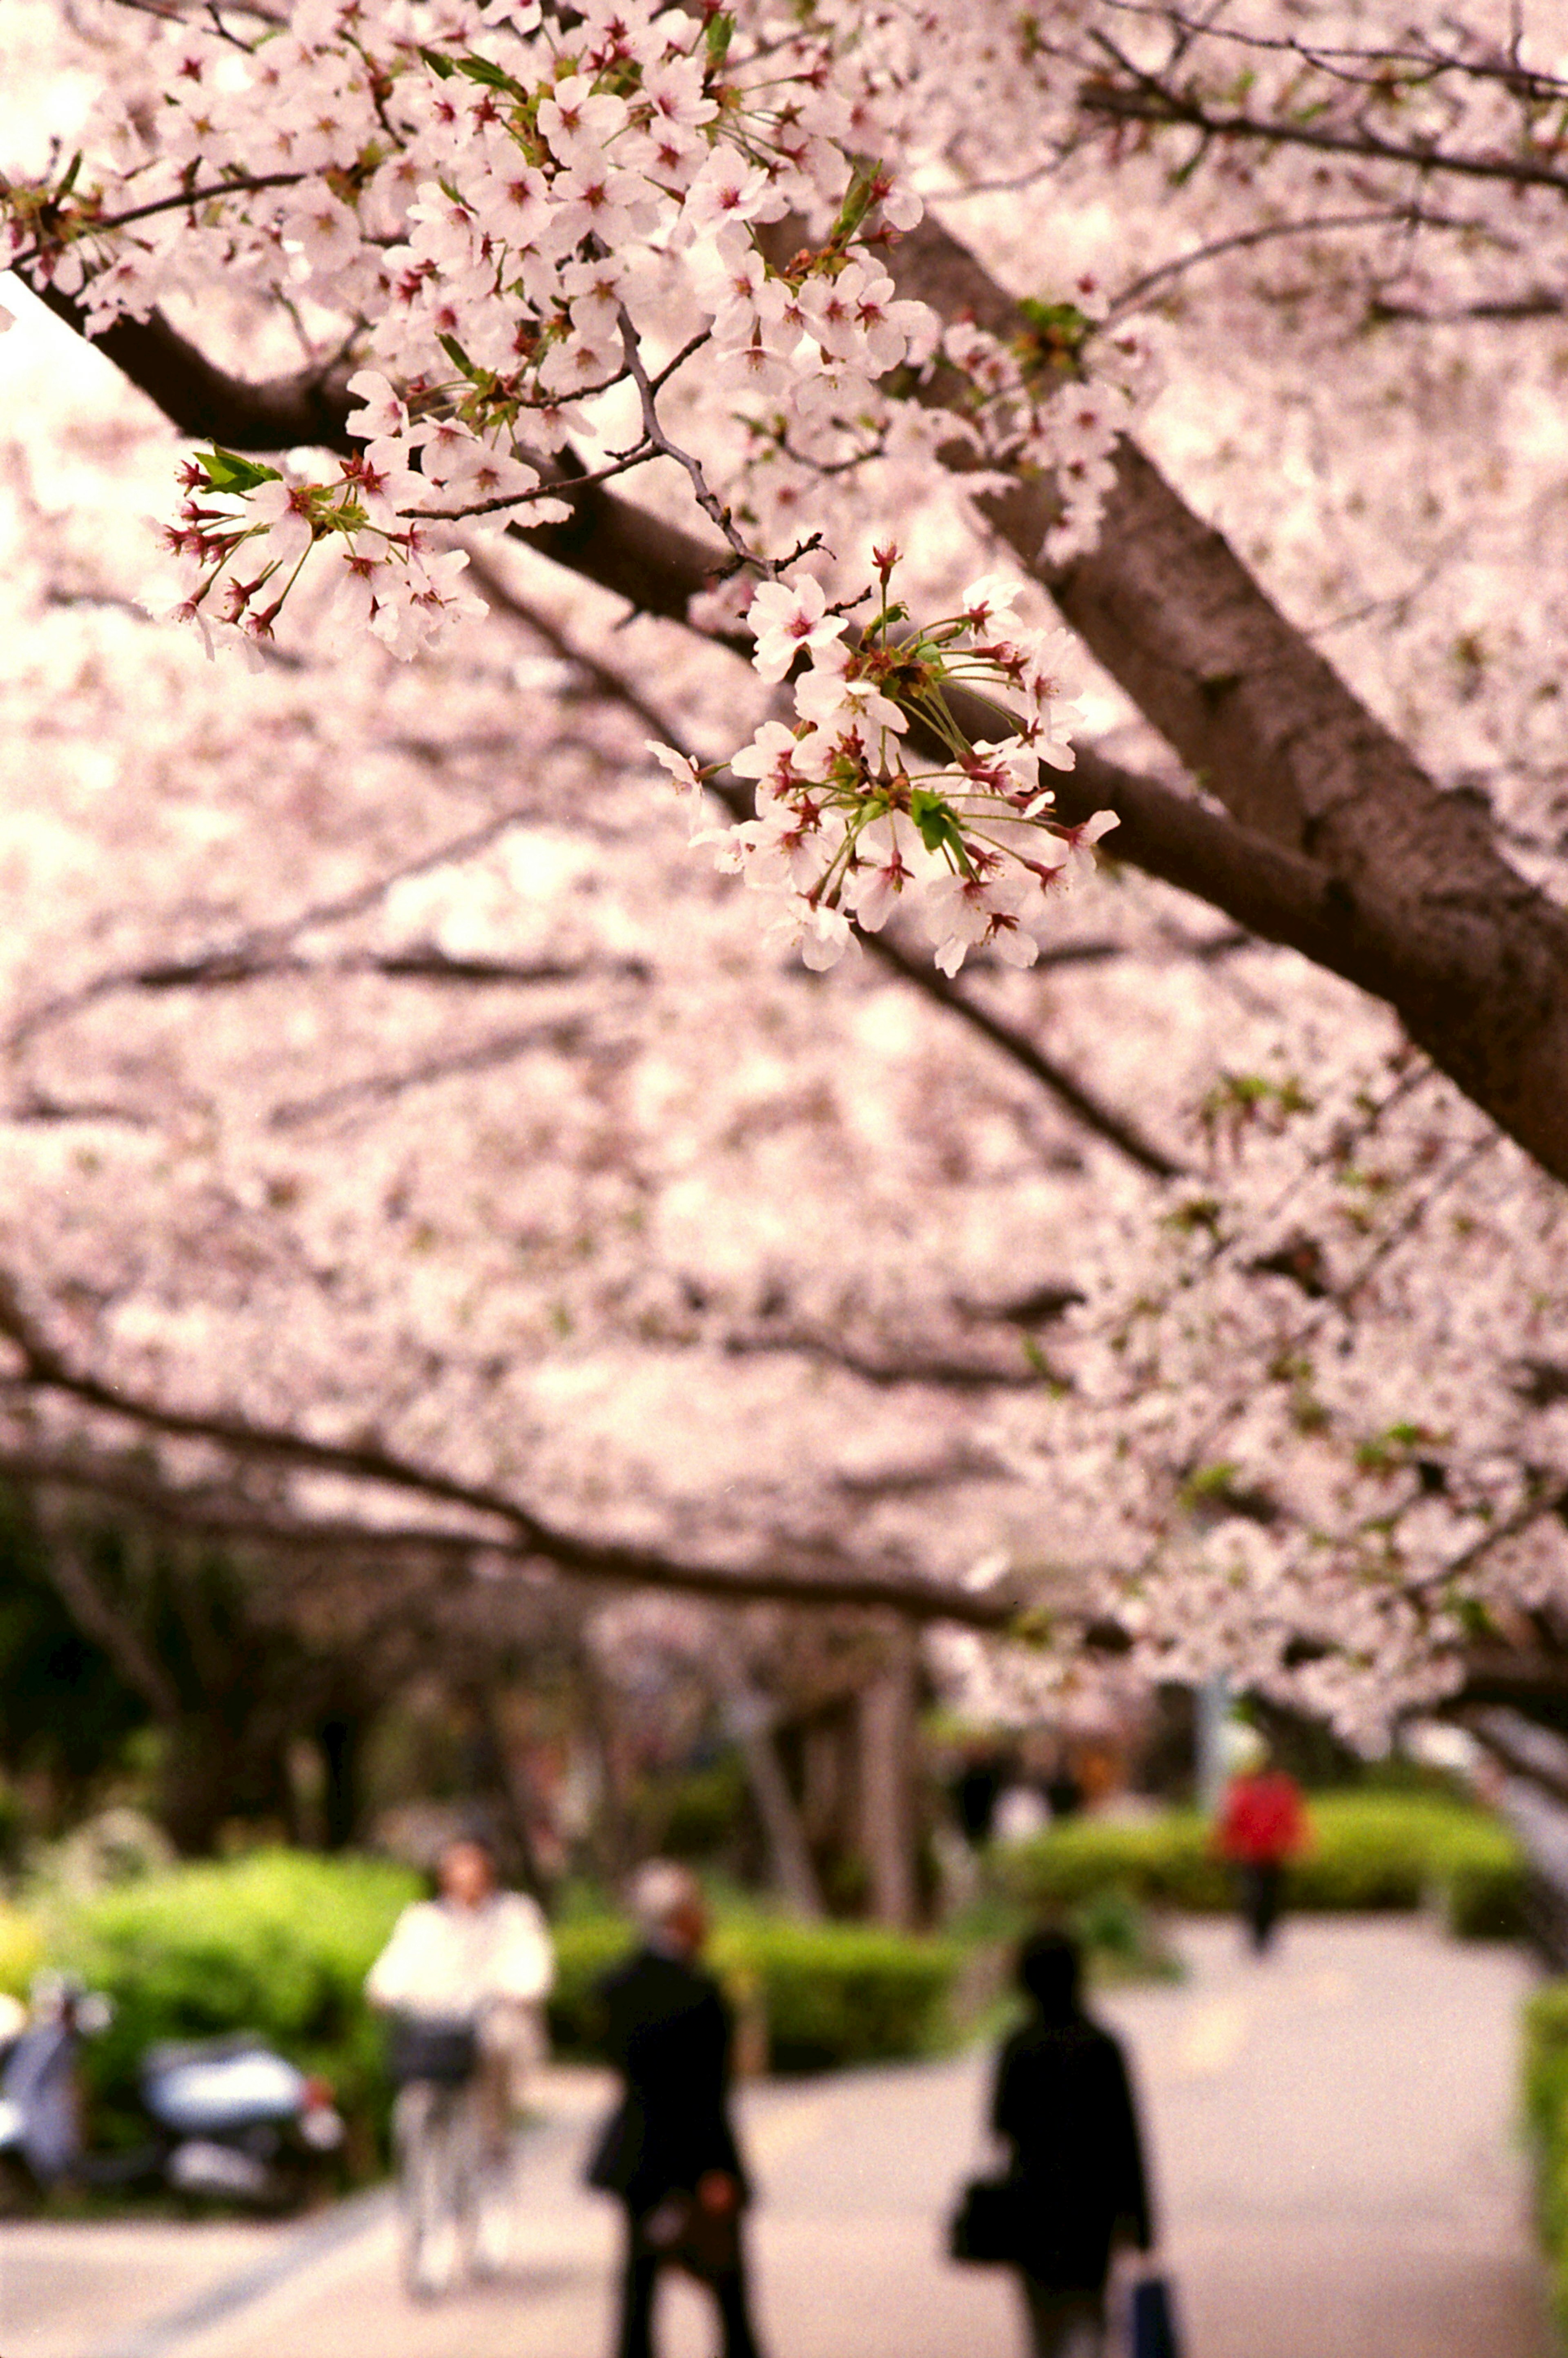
{"x":226,"y":471}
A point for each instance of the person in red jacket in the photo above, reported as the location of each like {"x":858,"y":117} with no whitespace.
{"x":1262,"y":1827}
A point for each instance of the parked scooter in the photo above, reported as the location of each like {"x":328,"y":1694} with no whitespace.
{"x":227,"y":2119}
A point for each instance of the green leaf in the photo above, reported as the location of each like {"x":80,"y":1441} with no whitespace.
{"x":457,"y":357}
{"x":442,"y":68}
{"x":939,"y":830}
{"x":1211,"y":1481}
{"x":494,"y":76}
{"x":227,"y":471}
{"x":856,"y":206}
{"x":720,"y":33}
{"x":1060,"y":325}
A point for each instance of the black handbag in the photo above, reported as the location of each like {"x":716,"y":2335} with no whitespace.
{"x":988,"y":2229}
{"x":420,"y":2047}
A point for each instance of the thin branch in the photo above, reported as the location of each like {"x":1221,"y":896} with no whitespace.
{"x":97,"y":1618}
{"x":264,"y":949}
{"x":888,"y":1371}
{"x":375,"y":1089}
{"x":1242,"y":241}
{"x":1150,"y":101}
{"x":84,"y":226}
{"x":503,"y":1524}
{"x":707,"y":498}
{"x":919,"y":973}
{"x":554,"y":487}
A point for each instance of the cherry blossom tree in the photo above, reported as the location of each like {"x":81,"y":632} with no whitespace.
{"x":749,"y":324}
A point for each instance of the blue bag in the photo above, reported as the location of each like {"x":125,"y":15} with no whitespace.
{"x":1153,"y":2320}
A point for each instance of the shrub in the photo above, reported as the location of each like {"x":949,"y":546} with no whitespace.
{"x":1485,"y":1899}
{"x":1546,"y":2112}
{"x":21,"y":1951}
{"x":586,"y":1948}
{"x":838,"y":1994}
{"x":830,"y":1993}
{"x":1119,"y":1940}
{"x":695,"y":1815}
{"x":1374,"y":1850}
{"x":1164,"y":1860}
{"x":278,"y":1942}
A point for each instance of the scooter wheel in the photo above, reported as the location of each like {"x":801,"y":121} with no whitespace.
{"x":19,"y":2193}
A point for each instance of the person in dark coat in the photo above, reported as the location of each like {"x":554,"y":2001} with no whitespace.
{"x":1063,"y":2102}
{"x":669,"y":2151}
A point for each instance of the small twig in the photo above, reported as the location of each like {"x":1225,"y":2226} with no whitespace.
{"x":248,"y":185}
{"x":708,"y":500}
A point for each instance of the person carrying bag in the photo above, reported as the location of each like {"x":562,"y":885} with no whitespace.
{"x":1076,"y":2184}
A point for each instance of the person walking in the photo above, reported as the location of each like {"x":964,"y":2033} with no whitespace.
{"x":1262,"y":1826}
{"x":668,"y":2151}
{"x":1062,"y":2101}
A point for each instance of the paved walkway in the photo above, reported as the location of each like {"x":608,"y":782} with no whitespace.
{"x":1333,"y":2145}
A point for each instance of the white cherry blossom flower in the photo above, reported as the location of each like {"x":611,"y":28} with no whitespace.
{"x":579,"y":123}
{"x":728,"y":189}
{"x":325,"y":231}
{"x":788,"y":617}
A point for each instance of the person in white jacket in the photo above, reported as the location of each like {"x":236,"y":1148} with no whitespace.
{"x":479,"y":1956}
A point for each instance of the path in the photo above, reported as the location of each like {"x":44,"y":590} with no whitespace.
{"x":1333,"y":2145}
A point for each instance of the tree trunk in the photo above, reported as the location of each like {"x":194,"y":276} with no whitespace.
{"x":886,"y":1711}
{"x":789,"y":1854}
{"x":513,"y":1789}
{"x":341,"y":1739}
{"x":1472,"y":956}
{"x":214,"y":1770}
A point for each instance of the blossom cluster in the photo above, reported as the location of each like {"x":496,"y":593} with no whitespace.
{"x":1311,"y":1426}
{"x":526,"y":235}
{"x":876,"y":797}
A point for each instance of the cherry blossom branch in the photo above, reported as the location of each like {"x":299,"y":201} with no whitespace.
{"x":707,"y":499}
{"x":1388,"y":860}
{"x":86,"y":224}
{"x":1146,"y":98}
{"x":1370,"y":912}
{"x":504,"y":1525}
{"x":1081,"y":1102}
{"x":1131,"y":296}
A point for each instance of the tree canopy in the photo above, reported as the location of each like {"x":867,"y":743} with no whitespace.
{"x":1088,"y":414}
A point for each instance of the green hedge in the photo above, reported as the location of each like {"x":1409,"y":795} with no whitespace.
{"x":829,"y":1994}
{"x":1369,"y":1851}
{"x":1546,"y":2111}
{"x":838,"y":1994}
{"x":278,"y":1942}
{"x":21,"y":1951}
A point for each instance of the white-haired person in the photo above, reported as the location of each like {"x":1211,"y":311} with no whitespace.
{"x":668,"y":2151}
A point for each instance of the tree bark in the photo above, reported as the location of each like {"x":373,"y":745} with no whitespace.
{"x":341,"y":1737}
{"x":886,"y":1710}
{"x":789,"y":1854}
{"x":1473,"y":957}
